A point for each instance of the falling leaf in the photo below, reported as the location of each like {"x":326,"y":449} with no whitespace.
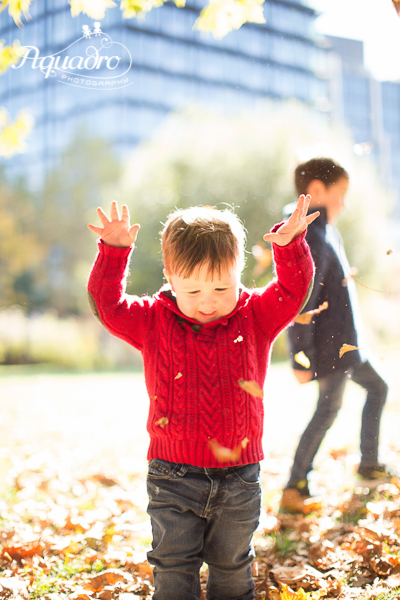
{"x":390,"y":251}
{"x":347,"y":348}
{"x":251,"y":387}
{"x":178,"y":376}
{"x":162,"y":422}
{"x":305,"y":318}
{"x":238,"y":339}
{"x":245,"y":442}
{"x":225,"y":454}
{"x":302,"y":359}
{"x":396,"y":4}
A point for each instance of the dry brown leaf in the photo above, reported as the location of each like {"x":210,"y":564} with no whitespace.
{"x":251,"y":387}
{"x":225,"y":454}
{"x":289,"y":574}
{"x":302,"y":359}
{"x":162,"y":422}
{"x":389,"y":252}
{"x":305,"y":318}
{"x":23,"y":551}
{"x":347,"y":348}
{"x":109,"y":577}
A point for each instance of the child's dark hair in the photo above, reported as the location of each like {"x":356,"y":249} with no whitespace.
{"x":324,"y":169}
{"x":202,"y":235}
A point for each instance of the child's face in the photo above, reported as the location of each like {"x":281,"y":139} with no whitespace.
{"x":204,"y":297}
{"x":332,"y":196}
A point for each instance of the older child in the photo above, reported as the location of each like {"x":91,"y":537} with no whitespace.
{"x":202,"y":337}
{"x":322,"y":339}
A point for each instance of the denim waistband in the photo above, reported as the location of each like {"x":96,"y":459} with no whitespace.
{"x":182,"y":468}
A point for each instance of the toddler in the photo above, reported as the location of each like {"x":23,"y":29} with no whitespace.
{"x":206,"y":343}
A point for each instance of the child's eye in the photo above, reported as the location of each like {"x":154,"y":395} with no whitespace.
{"x":195,"y":292}
{"x":221,"y":289}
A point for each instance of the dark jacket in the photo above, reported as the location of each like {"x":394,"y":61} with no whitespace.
{"x":340,"y":324}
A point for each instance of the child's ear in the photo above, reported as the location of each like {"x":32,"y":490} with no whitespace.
{"x":317,"y":190}
{"x":167,"y":276}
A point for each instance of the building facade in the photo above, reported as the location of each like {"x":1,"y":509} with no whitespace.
{"x":169,"y":64}
{"x":369,"y":108}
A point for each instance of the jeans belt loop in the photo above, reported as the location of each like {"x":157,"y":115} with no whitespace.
{"x":183,"y":470}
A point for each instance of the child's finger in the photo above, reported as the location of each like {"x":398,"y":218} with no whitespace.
{"x":102,"y":216}
{"x":125,"y":213}
{"x":312,"y":217}
{"x":114,"y":211}
{"x":98,"y":230}
{"x":133,"y":232}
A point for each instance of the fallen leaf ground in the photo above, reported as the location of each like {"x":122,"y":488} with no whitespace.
{"x":73,"y":520}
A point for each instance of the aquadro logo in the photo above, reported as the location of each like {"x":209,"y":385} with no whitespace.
{"x":93,"y":61}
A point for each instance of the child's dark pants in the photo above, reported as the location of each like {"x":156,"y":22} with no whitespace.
{"x":203,"y":515}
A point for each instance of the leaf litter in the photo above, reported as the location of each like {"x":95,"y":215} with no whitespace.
{"x":83,"y":535}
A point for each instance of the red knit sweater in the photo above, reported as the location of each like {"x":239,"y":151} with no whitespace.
{"x":192,"y":370}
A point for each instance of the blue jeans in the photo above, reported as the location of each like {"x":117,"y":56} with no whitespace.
{"x":201,"y":515}
{"x":331,"y":390}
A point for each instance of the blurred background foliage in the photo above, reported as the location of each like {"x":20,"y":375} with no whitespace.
{"x":196,"y":157}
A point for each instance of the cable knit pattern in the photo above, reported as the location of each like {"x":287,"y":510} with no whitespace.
{"x":192,"y":370}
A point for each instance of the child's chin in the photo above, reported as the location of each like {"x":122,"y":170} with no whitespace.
{"x":203,"y":318}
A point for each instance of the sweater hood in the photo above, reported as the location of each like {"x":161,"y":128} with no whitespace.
{"x":168,"y":299}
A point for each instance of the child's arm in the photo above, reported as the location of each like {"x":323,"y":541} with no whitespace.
{"x":281,"y":301}
{"x":125,"y":316}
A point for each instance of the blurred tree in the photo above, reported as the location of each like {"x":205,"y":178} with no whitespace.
{"x":247,"y":163}
{"x":69,"y":198}
{"x":21,"y":250}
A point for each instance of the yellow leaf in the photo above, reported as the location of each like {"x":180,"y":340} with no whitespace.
{"x":10,"y":55}
{"x":225,"y":454}
{"x":288,"y":594}
{"x":178,"y":376}
{"x":222,"y":16}
{"x":251,"y":387}
{"x":13,"y":135}
{"x":302,"y":359}
{"x":137,"y":8}
{"x":305,"y":318}
{"x":16,"y":8}
{"x":238,"y":339}
{"x":347,"y":348}
{"x":95,"y":9}
{"x":162,"y":422}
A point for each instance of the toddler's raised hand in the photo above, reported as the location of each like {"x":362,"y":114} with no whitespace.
{"x":117,"y":230}
{"x":295,"y":225}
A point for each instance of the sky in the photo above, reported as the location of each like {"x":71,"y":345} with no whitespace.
{"x":375,"y":22}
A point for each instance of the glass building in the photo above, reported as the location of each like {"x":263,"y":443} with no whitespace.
{"x":369,"y":108}
{"x":167,"y":66}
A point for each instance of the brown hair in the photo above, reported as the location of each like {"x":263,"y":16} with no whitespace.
{"x":202,"y":234}
{"x":324,"y":169}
